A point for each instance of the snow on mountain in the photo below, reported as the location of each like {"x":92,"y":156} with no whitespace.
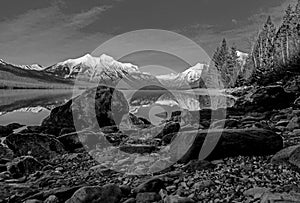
{"x":91,"y":67}
{"x":242,"y":57}
{"x":186,"y":79}
{"x":36,"y":67}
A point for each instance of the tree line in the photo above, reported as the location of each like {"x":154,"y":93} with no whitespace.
{"x":274,"y":52}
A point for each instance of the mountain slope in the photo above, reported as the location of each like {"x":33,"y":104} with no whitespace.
{"x":15,"y":77}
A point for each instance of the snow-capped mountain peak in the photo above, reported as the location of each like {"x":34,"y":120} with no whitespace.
{"x":36,"y":67}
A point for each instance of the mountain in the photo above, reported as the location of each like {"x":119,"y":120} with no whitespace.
{"x":36,"y":67}
{"x":190,"y":78}
{"x":242,"y":57}
{"x":16,"y":76}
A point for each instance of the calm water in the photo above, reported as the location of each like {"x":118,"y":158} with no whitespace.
{"x":30,"y":107}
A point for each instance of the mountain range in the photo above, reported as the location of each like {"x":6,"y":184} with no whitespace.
{"x":104,"y":70}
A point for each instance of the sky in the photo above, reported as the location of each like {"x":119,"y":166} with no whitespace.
{"x":46,"y":32}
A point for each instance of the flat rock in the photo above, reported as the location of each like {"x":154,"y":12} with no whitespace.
{"x":39,"y":146}
{"x":221,"y":143}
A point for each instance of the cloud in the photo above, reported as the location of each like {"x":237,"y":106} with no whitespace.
{"x":42,"y":35}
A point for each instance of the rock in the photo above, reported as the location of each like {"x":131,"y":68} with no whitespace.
{"x":22,"y":166}
{"x":195,"y":165}
{"x":282,"y":123}
{"x":62,"y":194}
{"x":86,"y":139}
{"x":264,"y":99}
{"x":224,"y":143}
{"x":289,"y":155}
{"x":294,"y":123}
{"x":101,"y":106}
{"x":256,"y":192}
{"x":177,"y":199}
{"x":6,"y":153}
{"x":33,"y":201}
{"x":297,"y":102}
{"x":138,"y":148}
{"x":40,"y":146}
{"x":169,"y":128}
{"x":225,"y":123}
{"x":108,"y":193}
{"x":3,"y":167}
{"x":152,"y":185}
{"x":67,"y":131}
{"x":147,"y":197}
{"x":6,"y":130}
{"x":51,"y":199}
{"x":280,"y":197}
{"x":130,"y":200}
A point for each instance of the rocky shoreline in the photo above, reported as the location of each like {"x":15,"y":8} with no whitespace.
{"x":70,"y":159}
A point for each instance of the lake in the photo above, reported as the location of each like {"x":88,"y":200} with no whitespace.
{"x":30,"y":107}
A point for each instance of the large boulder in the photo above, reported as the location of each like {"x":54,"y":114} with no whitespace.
{"x":221,"y":143}
{"x":289,"y":155}
{"x":40,"y":146}
{"x":103,"y":106}
{"x":264,"y":99}
{"x":6,"y":153}
{"x":87,"y":139}
{"x":108,"y":193}
{"x":24,"y":165}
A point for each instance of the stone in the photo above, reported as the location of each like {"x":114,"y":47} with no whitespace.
{"x":86,"y":139}
{"x":256,"y":192}
{"x":177,"y":199}
{"x":222,"y":143}
{"x":8,"y":129}
{"x":22,"y":166}
{"x":289,"y":155}
{"x":40,"y":146}
{"x":280,"y":197}
{"x":96,"y":107}
{"x":169,"y":128}
{"x":294,"y":123}
{"x":152,"y":185}
{"x":51,"y":199}
{"x":6,"y":153}
{"x":264,"y":99}
{"x":225,"y":123}
{"x":138,"y":148}
{"x":195,"y":165}
{"x":147,"y":197}
{"x":130,"y":200}
{"x":33,"y":201}
{"x":108,"y":193}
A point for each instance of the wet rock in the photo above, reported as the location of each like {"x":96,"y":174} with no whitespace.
{"x":86,"y":139}
{"x":177,"y":199}
{"x":8,"y":129}
{"x":51,"y":199}
{"x":280,"y":197}
{"x":138,"y":148}
{"x":264,"y":99}
{"x":101,"y":106}
{"x":23,"y":166}
{"x":169,"y":128}
{"x":294,"y":123}
{"x":108,"y":193}
{"x":195,"y":165}
{"x":152,"y":185}
{"x":224,"y":143}
{"x":289,"y":155}
{"x":40,"y":146}
{"x":6,"y":153}
{"x":256,"y":192}
{"x":147,"y":197}
{"x":225,"y":123}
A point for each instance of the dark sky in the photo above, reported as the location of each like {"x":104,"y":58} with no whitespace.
{"x":45,"y":32}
